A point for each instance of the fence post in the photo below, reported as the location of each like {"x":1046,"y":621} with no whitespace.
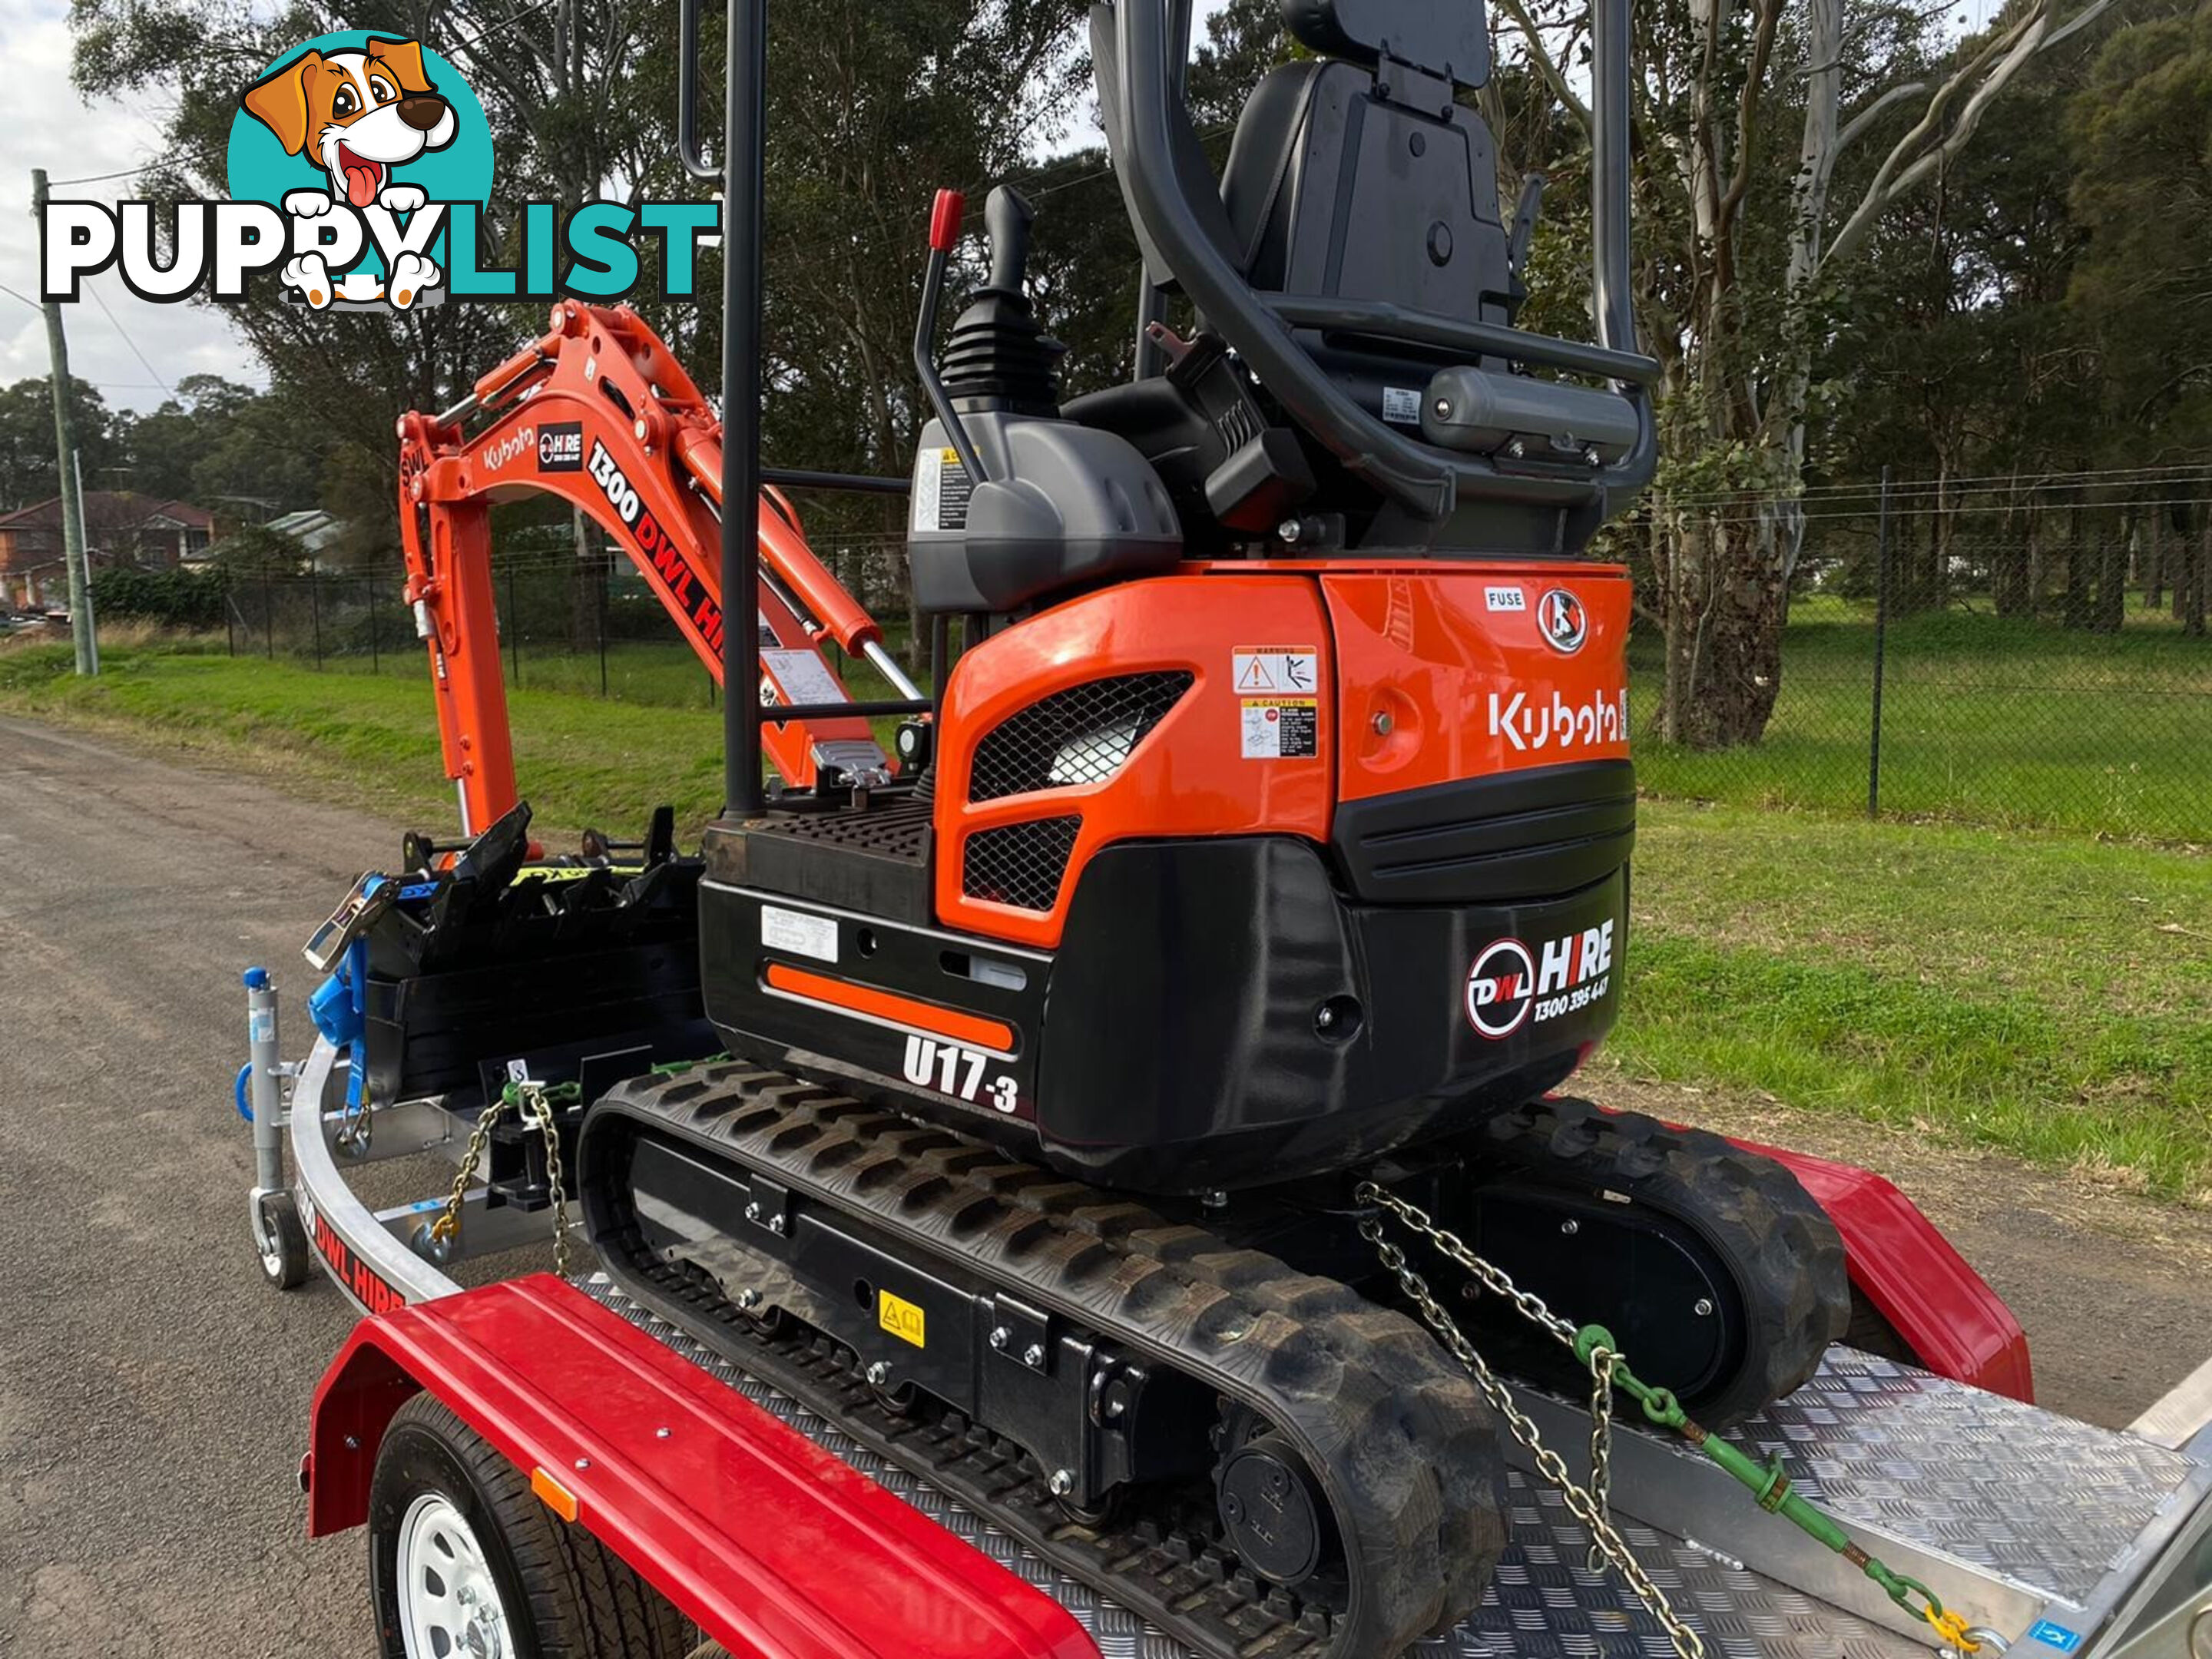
{"x":268,"y":617}
{"x":375,"y":655}
{"x":229,"y":621}
{"x":606,"y":572}
{"x":1880,"y":643}
{"x":513,"y":631}
{"x":315,"y":606}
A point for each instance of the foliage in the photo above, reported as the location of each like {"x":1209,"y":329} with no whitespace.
{"x":181,"y":599}
{"x":27,"y":471}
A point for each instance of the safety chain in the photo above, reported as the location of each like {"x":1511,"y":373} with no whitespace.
{"x":537,"y":1109}
{"x":1586,"y":1507}
{"x":534,"y":1104}
{"x":1592,"y":1346}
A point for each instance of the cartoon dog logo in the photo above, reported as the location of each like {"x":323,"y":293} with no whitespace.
{"x":359,"y":114}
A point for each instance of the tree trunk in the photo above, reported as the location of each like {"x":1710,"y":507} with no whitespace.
{"x":2008,"y":569}
{"x":2112,"y":576}
{"x":2075,"y":611}
{"x":588,"y":575}
{"x":1724,"y":647}
{"x":2154,"y":559}
{"x":2200,"y":584}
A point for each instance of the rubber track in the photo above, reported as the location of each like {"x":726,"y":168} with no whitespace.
{"x":1781,"y":1246}
{"x":1406,"y":1449}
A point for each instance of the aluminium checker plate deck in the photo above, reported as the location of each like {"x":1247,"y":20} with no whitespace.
{"x":2060,"y":1536}
{"x":1544,"y":1604}
{"x":1547,"y":1604}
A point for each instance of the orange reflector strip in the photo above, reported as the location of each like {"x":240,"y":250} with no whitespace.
{"x":554,"y":1496}
{"x":885,"y":1005}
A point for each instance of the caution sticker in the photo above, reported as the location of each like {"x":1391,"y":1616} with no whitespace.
{"x":941,"y":489}
{"x":1281,"y":728}
{"x":901,"y":1318}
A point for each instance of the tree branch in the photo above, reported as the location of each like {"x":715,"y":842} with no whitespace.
{"x":1988,"y":72}
{"x":1540,"y":55}
{"x":1857,"y":126}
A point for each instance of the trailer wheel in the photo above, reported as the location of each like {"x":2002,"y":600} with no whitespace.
{"x":283,"y":1242}
{"x":462,"y":1559}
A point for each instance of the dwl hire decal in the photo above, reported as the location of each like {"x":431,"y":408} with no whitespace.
{"x":360,"y":170}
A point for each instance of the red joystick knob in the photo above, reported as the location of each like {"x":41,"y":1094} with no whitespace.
{"x":944,"y":219}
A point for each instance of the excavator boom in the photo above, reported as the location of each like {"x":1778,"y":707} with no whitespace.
{"x":598,"y":412}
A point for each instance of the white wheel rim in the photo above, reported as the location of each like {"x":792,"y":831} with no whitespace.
{"x":449,"y":1609}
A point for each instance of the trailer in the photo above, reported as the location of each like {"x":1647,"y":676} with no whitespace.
{"x":1027,"y":1161}
{"x":774,"y":1533}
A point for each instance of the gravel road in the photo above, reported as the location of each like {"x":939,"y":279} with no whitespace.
{"x":153,"y":1391}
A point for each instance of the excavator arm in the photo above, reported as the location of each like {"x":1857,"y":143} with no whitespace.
{"x":600,"y":413}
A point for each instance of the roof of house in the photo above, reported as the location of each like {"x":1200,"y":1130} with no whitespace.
{"x":110,"y":509}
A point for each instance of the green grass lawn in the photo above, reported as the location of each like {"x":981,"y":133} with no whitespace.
{"x":2042,"y":994}
{"x":1985,"y":720}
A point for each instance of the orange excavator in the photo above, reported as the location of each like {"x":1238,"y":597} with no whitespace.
{"x":1232,"y":906}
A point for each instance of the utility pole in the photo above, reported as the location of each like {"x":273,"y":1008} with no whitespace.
{"x":88,"y":641}
{"x":65,"y":456}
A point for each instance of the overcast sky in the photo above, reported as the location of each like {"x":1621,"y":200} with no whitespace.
{"x":46,"y":124}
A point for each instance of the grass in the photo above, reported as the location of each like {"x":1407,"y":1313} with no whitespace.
{"x":2046,"y":996}
{"x":2039,"y":994}
{"x":1985,"y":718}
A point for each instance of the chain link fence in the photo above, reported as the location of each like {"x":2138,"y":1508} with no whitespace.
{"x":2028,"y":653}
{"x":585,"y":625}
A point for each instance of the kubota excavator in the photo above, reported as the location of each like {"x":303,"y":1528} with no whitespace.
{"x":1248,"y":881}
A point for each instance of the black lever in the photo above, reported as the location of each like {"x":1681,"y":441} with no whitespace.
{"x":1007,"y":216}
{"x":1525,"y":223}
{"x":943,"y":236}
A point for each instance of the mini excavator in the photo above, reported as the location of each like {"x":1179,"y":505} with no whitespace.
{"x":1262,"y":848}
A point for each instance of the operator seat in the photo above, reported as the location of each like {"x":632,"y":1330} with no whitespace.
{"x":1356,"y":175}
{"x":1353,"y":176}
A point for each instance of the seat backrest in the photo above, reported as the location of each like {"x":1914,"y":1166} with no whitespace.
{"x":1368,"y":183}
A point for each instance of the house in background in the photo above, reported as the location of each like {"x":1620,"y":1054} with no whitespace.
{"x":120,"y":528}
{"x":312,"y":531}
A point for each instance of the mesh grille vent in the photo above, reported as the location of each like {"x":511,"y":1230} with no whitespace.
{"x":1019,"y":864}
{"x":1081,"y":735}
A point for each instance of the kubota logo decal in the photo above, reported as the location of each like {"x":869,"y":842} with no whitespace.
{"x":1560,"y":616}
{"x":1509,"y":986}
{"x":1559,"y":724}
{"x":521,"y":441}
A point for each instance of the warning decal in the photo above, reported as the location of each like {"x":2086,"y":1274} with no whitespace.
{"x":1281,"y":728}
{"x":941,"y":489}
{"x":1277,"y":670}
{"x":802,"y":677}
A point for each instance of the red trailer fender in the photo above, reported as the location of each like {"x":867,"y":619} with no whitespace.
{"x":1953,"y":1322}
{"x":775,"y":1546}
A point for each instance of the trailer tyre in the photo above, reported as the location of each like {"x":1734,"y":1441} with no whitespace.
{"x":283,"y":1243}
{"x":463,"y":1559}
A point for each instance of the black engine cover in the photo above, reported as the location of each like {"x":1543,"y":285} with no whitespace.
{"x":1220,"y":1017}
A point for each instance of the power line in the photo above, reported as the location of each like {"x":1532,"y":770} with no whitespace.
{"x":143,"y":360}
{"x":102,"y":178}
{"x":25,"y":298}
